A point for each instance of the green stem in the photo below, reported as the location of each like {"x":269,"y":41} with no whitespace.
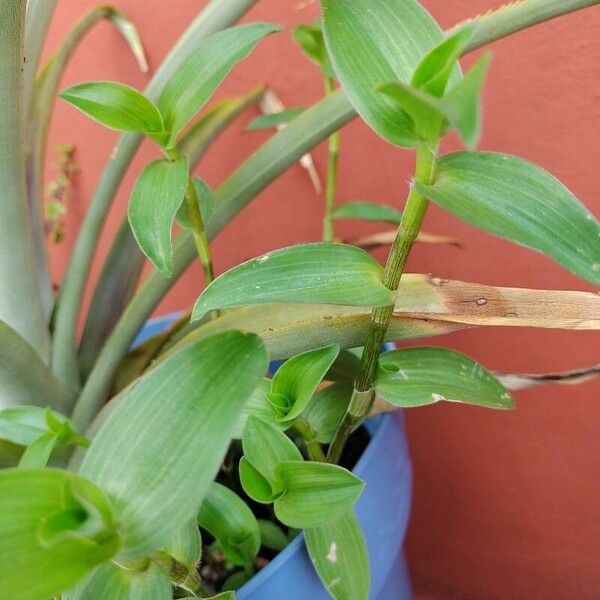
{"x":199,"y":232}
{"x":315,"y":451}
{"x":216,"y":15}
{"x":182,"y":576}
{"x":363,"y":393}
{"x":332,"y":171}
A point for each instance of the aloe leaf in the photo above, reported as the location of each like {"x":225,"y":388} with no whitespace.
{"x":196,"y":79}
{"x":255,"y":484}
{"x":369,"y":47}
{"x":297,"y":379}
{"x":206,"y":204}
{"x":274,"y":120}
{"x":25,"y":379}
{"x":229,"y":520}
{"x":266,"y":446}
{"x":421,"y":376}
{"x":55,"y":528}
{"x":37,"y":454}
{"x":327,"y":273}
{"x":368,"y":211}
{"x":186,"y":545}
{"x":314,"y":493}
{"x":115,"y":105}
{"x":111,"y":581}
{"x":339,"y":553}
{"x":155,"y":200}
{"x":519,"y":201}
{"x":23,"y":424}
{"x":258,"y":405}
{"x":151,"y":468}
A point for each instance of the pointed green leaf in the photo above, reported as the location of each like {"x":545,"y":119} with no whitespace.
{"x":421,"y":376}
{"x":517,"y":200}
{"x":24,"y":424}
{"x":158,"y":468}
{"x":460,"y":107}
{"x":229,"y":520}
{"x":195,"y":81}
{"x":155,"y":200}
{"x":318,"y":273}
{"x":206,"y":204}
{"x":255,"y":485}
{"x":368,"y":211}
{"x":266,"y":446}
{"x":433,"y":72}
{"x":38,"y":453}
{"x":298,"y":378}
{"x":325,"y":411}
{"x":258,"y":405}
{"x":115,"y":105}
{"x":186,"y":545}
{"x":55,"y":528}
{"x":272,"y":536}
{"x":369,"y":47}
{"x":109,"y":581}
{"x":314,"y":493}
{"x":339,"y":554}
{"x":311,"y":41}
{"x":275,"y":119}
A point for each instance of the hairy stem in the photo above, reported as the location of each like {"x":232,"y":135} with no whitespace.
{"x":20,"y":298}
{"x":363,"y":394}
{"x":332,"y":171}
{"x":217,"y":15}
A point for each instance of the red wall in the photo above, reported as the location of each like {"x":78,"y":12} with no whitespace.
{"x":507,"y":505}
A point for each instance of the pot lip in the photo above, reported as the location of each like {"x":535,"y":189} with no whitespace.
{"x":377,"y":427}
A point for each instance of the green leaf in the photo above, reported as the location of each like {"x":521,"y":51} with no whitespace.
{"x":24,"y":424}
{"x":206,"y":203}
{"x":326,"y":409}
{"x":115,"y":105}
{"x":368,"y":211}
{"x":297,"y":379}
{"x":227,"y":517}
{"x":311,"y":41}
{"x":24,"y":378}
{"x":235,"y":582}
{"x":460,"y":107}
{"x":266,"y":446}
{"x":275,"y":119}
{"x":155,"y":200}
{"x":421,"y":376}
{"x":314,"y":493}
{"x":38,"y":453}
{"x":55,"y":528}
{"x":434,"y":71}
{"x":195,"y":81}
{"x":369,"y":47}
{"x":272,"y":536}
{"x":158,"y":468}
{"x":255,"y":485}
{"x":186,"y":545}
{"x":339,"y":554}
{"x":318,"y":273}
{"x":110,"y":581}
{"x":257,"y":405}
{"x":517,"y":200}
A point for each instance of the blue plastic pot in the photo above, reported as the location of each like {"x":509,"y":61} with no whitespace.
{"x":382,"y":510}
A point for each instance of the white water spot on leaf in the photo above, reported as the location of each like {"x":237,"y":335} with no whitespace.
{"x":262,"y":259}
{"x":332,"y":555}
{"x":596,"y":267}
{"x":437,"y":397}
{"x":481,"y":301}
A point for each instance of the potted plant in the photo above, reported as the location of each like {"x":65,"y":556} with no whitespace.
{"x":116,"y":459}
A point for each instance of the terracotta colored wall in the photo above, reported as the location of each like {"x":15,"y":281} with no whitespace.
{"x":506,"y":505}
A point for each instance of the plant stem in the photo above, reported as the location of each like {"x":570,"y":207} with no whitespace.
{"x":198,"y":231}
{"x":363,"y":393}
{"x":217,"y":15}
{"x":332,"y":170}
{"x":312,"y":443}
